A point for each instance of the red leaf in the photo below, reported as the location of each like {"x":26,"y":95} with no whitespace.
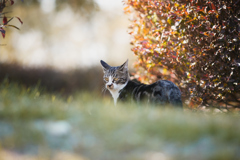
{"x":12,"y":2}
{"x":3,"y":32}
{"x":5,"y":20}
{"x":20,"y":20}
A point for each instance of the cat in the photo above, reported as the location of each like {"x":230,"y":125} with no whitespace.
{"x":117,"y":81}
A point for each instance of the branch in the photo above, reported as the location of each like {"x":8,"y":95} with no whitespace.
{"x":236,"y":2}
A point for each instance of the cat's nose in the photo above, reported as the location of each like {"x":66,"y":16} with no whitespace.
{"x":110,"y":86}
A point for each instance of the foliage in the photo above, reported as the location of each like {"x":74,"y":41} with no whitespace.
{"x":196,"y":43}
{"x":41,"y":125}
{"x":5,"y":19}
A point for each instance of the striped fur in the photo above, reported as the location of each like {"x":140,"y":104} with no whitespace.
{"x":117,"y":81}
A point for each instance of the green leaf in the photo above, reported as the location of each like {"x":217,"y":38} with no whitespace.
{"x":9,"y":25}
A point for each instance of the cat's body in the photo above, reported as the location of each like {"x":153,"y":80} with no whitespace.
{"x":162,"y":92}
{"x":117,"y":81}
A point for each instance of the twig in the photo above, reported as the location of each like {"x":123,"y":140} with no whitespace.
{"x":236,"y":2}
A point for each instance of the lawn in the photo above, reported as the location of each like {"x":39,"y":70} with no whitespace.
{"x":38,"y":125}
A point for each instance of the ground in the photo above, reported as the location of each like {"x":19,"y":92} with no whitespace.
{"x":37,"y":125}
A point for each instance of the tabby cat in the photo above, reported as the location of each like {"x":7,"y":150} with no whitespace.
{"x":117,"y":81}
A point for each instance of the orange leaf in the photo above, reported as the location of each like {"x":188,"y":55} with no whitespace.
{"x":213,"y":7}
{"x":127,"y":9}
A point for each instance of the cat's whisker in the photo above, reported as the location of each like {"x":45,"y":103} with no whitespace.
{"x":104,"y":89}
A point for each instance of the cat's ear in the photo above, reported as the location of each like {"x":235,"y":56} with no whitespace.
{"x":104,"y":65}
{"x":124,"y":66}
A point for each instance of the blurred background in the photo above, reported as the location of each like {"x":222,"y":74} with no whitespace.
{"x":61,"y":42}
{"x":59,"y":47}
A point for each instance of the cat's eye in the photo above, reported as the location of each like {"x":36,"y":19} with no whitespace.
{"x":115,"y":79}
{"x":106,"y":78}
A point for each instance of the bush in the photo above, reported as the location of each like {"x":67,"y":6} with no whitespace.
{"x":194,"y":43}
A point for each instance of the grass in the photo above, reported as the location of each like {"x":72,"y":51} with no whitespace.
{"x":35,"y":124}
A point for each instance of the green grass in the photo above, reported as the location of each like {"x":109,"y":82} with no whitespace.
{"x":40,"y":125}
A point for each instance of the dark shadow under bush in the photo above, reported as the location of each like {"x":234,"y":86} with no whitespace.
{"x":52,"y":80}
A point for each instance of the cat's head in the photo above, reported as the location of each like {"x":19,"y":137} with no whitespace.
{"x":115,"y":78}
